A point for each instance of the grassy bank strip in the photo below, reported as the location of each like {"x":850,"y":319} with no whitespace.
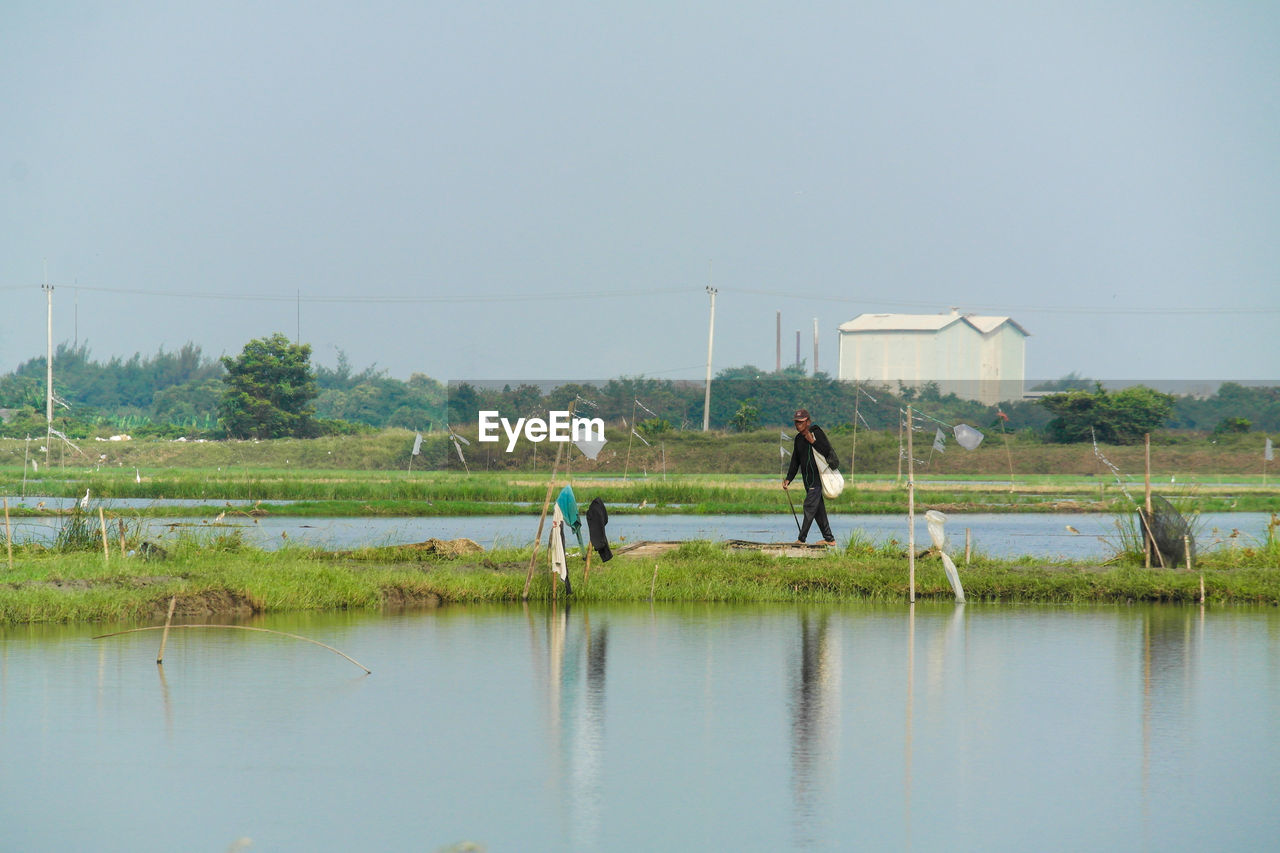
{"x":45,"y":586}
{"x":359,"y":493}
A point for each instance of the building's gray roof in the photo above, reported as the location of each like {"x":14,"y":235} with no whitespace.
{"x":985,"y":324}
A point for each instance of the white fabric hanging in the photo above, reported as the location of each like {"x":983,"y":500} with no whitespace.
{"x":558,"y":563}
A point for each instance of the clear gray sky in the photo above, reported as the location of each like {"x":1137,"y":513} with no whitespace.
{"x":543,"y":190}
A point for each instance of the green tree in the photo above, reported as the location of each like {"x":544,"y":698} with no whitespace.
{"x":1232,"y":426}
{"x":747,"y":417}
{"x":1119,"y":418}
{"x":269,"y":390}
{"x":190,"y":404}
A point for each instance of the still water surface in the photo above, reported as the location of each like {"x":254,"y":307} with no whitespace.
{"x":979,"y":727}
{"x":1064,"y":536}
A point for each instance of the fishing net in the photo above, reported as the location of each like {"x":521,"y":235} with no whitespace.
{"x":1170,"y":533}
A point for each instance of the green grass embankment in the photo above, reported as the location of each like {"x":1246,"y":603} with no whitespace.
{"x":47,"y":586}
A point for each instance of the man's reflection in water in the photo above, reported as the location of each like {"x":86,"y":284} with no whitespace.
{"x":815,"y":721}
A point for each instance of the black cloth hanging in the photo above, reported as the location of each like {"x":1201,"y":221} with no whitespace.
{"x":597,"y":518}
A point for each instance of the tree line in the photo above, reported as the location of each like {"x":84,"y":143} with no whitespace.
{"x":271,"y":389}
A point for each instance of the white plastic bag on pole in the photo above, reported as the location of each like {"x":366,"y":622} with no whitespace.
{"x":967,"y":437}
{"x":938,"y":534}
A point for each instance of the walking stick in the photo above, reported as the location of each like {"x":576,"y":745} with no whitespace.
{"x":793,"y":509}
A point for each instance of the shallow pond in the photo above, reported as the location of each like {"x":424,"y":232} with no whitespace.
{"x":1042,"y":535}
{"x":651,"y":728}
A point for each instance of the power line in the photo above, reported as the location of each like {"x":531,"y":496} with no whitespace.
{"x":1005,"y":309}
{"x":392,"y":300}
{"x":663,"y":291}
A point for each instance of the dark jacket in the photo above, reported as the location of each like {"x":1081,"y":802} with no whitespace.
{"x":802,"y":456}
{"x":597,"y":518}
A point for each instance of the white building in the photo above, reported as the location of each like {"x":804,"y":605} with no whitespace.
{"x":975,"y":357}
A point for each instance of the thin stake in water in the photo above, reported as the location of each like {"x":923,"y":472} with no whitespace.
{"x":164,"y":638}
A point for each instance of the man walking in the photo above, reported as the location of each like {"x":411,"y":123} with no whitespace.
{"x":810,"y":439}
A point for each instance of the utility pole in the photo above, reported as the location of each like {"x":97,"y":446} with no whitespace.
{"x":815,"y":346}
{"x":711,"y":336}
{"x":48,"y":397}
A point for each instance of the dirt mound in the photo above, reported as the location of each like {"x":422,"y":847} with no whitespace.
{"x":396,"y":597}
{"x":444,"y":547}
{"x":211,"y":602}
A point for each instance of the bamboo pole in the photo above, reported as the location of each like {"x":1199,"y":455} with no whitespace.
{"x":164,"y":638}
{"x":8,"y":533}
{"x":911,"y":505}
{"x":627,"y":466}
{"x":1009,"y":454}
{"x":967,"y":541}
{"x":542,"y":519}
{"x":899,"y":477}
{"x":587,"y":569}
{"x":1150,"y":539}
{"x":102,"y":520}
{"x":853,"y":457}
{"x":653,"y":583}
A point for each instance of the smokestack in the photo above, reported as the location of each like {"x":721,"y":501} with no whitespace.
{"x":797,"y":347}
{"x":778,"y":369}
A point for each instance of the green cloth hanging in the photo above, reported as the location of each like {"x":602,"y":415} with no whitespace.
{"x":569,"y":509}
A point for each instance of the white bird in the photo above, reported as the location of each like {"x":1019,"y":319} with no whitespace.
{"x":84,"y":501}
{"x":137,"y":476}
